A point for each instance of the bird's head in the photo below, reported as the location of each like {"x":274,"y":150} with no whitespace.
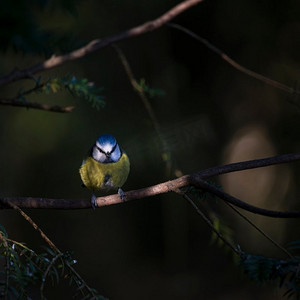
{"x":106,"y":149}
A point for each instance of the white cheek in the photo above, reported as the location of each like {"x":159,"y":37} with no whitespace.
{"x":97,"y":155}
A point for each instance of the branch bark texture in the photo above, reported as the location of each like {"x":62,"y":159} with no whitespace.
{"x":97,"y":44}
{"x":35,"y":105}
{"x":196,"y":180}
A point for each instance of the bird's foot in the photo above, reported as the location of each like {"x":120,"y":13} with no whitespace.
{"x":122,"y":194}
{"x":94,"y":201}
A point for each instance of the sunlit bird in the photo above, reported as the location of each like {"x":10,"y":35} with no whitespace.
{"x":106,"y":168}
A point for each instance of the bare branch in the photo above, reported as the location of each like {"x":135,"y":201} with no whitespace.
{"x":147,"y":104}
{"x":196,"y":180}
{"x":250,"y":164}
{"x":94,"y":45}
{"x":51,"y":264}
{"x":234,"y":64}
{"x":241,"y":204}
{"x":20,"y":101}
{"x":44,"y":203}
{"x":35,"y":105}
{"x":34,"y":225}
{"x":210,"y":224}
{"x":264,"y":234}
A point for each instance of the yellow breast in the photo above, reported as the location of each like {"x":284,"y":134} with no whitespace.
{"x":99,"y":176}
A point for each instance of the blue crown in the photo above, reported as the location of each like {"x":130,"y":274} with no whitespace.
{"x":105,"y":139}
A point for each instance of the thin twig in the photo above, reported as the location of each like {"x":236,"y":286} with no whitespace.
{"x":22,"y":102}
{"x":209,"y":223}
{"x":51,"y":264}
{"x":233,"y":63}
{"x":4,"y":240}
{"x":149,"y":109}
{"x":35,"y":105}
{"x":35,"y":226}
{"x":260,"y":231}
{"x":81,"y":282}
{"x":95,"y":45}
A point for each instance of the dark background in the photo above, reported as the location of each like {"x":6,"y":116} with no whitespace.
{"x":211,"y":114}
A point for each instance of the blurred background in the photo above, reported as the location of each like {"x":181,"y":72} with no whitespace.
{"x":210,"y":114}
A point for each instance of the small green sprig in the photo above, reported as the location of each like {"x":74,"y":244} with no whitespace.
{"x":265,"y":269}
{"x":151,"y":92}
{"x":25,"y":270}
{"x":81,"y":88}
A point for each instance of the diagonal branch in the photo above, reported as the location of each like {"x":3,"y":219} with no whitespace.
{"x":196,"y":180}
{"x":234,"y":64}
{"x":34,"y":225}
{"x":210,"y":224}
{"x":139,"y":90}
{"x":260,"y":230}
{"x":95,"y":45}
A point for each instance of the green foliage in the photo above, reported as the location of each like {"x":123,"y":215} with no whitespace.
{"x":151,"y":92}
{"x":77,"y":87}
{"x":81,"y":88}
{"x":25,"y":271}
{"x":22,"y":29}
{"x":264,"y":269}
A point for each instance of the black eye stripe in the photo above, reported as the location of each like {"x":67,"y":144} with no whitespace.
{"x":107,"y":153}
{"x":100,"y":149}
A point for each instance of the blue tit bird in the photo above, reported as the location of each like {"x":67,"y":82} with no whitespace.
{"x":106,"y":168}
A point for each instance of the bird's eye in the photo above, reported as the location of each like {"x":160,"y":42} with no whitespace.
{"x":101,"y":150}
{"x":113,"y":149}
{"x":107,"y":153}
